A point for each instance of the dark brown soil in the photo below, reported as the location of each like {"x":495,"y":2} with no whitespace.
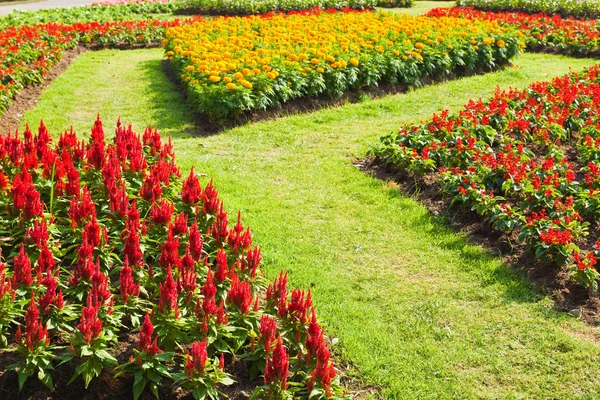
{"x":568,"y":296}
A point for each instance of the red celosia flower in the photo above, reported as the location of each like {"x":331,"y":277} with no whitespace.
{"x":240,"y":294}
{"x":191,"y":191}
{"x":253,"y":260}
{"x":210,"y":199}
{"x":45,"y":260}
{"x":209,"y":291}
{"x":127,"y":285}
{"x":162,"y":212}
{"x":267,"y":330}
{"x":195,"y":241}
{"x":180,"y":226}
{"x":91,"y":232}
{"x":49,"y":297}
{"x":314,"y":336}
{"x":299,"y":306}
{"x":96,"y":155}
{"x":220,"y":229}
{"x":196,"y":362}
{"x":277,"y":290}
{"x":151,"y":189}
{"x":35,"y":331}
{"x":222,"y":270}
{"x":187,"y":275}
{"x":169,"y":254}
{"x":324,"y":371}
{"x":22,"y":269}
{"x":132,"y":249}
{"x":146,"y":343}
{"x":276,"y":370}
{"x":168,"y":294}
{"x":99,"y":294}
{"x":90,"y":326}
{"x":237,"y":238}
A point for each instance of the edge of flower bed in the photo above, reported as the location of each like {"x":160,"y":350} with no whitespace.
{"x":547,"y":279}
{"x":27,"y":98}
{"x":305,"y":105}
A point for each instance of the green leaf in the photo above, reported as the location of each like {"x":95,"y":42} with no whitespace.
{"x":22,"y":378}
{"x":138,"y":388}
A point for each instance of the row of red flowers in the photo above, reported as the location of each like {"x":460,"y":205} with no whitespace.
{"x":542,"y":32}
{"x":528,"y":160}
{"x":108,"y":239}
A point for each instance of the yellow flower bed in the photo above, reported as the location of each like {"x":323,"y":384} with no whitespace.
{"x":231,"y":65}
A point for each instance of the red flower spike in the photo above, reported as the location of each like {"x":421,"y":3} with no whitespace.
{"x":187,"y":275}
{"x":127,"y":285}
{"x":222,"y":270}
{"x":169,"y":255}
{"x":199,"y":357}
{"x":195,"y":241}
{"x":180,"y":226}
{"x":35,"y":332}
{"x":168,"y":294}
{"x":90,"y":326}
{"x":96,"y":150}
{"x":132,"y":249}
{"x":145,"y":342}
{"x":210,"y":199}
{"x":267,"y":329}
{"x":191,"y":191}
{"x":162,"y":212}
{"x":324,"y":371}
{"x":48,"y":298}
{"x":209,"y":290}
{"x":253,"y":260}
{"x":22,"y":269}
{"x":276,"y":370}
{"x":240,"y":294}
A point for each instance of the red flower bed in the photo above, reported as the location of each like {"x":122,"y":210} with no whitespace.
{"x":527,"y":160}
{"x":108,"y":239}
{"x":542,"y":32}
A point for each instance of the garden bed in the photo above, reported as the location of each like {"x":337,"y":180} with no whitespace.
{"x":232,"y":66}
{"x":567,"y":295}
{"x":526,"y":161}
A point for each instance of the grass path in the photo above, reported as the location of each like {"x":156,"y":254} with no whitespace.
{"x":421,"y":313}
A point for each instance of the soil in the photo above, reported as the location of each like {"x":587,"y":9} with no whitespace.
{"x":567,"y":295}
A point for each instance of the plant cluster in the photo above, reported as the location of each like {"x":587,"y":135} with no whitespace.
{"x":394,"y":3}
{"x":233,"y":65}
{"x":527,"y":160}
{"x":109,"y":240}
{"x":565,"y":8}
{"x":252,"y":7}
{"x":542,"y":32}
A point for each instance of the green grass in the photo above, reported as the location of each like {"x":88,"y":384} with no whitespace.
{"x":420,"y":7}
{"x":419,"y":312}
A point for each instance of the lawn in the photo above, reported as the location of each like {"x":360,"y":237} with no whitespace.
{"x":418,"y":312}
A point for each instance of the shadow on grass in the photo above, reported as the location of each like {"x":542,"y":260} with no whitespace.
{"x":511,"y":279}
{"x":170,"y":111}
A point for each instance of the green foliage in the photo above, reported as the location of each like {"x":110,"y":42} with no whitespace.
{"x":249,"y":7}
{"x":92,"y":13}
{"x":573,"y":8}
